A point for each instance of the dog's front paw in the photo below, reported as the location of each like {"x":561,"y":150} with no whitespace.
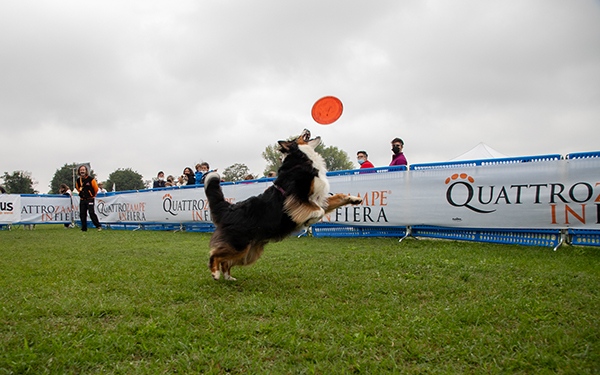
{"x":354,"y":200}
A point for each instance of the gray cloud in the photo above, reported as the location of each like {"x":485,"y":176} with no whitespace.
{"x":160,"y":85}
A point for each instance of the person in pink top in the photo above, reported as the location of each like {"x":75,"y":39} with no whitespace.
{"x":398,"y":158}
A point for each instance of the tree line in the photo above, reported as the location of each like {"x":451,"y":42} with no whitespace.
{"x":21,"y":182}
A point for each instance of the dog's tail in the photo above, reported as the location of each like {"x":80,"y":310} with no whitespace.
{"x":216,"y":200}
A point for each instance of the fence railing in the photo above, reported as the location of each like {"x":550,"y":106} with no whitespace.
{"x":550,"y":237}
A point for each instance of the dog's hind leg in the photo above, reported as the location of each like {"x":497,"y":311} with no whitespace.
{"x":339,"y":200}
{"x":214,"y":264}
{"x":241,"y":258}
{"x":221,"y":265}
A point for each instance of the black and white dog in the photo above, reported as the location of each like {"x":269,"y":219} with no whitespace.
{"x":298,"y":198}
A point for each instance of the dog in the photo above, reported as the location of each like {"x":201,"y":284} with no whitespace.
{"x":299,"y":197}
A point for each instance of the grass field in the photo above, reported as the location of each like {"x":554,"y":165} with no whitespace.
{"x":121,"y":302}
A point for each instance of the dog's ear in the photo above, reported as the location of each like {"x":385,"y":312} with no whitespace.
{"x":285,"y":146}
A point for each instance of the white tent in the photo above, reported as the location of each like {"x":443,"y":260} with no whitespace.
{"x":481,"y":151}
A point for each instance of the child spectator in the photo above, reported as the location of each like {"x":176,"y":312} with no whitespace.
{"x":204,"y":169}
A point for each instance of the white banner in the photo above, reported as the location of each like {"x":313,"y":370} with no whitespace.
{"x":10,"y":205}
{"x":48,"y":209}
{"x":542,"y":194}
{"x":555,"y":194}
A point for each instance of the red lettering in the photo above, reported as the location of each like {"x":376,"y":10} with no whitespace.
{"x":570,"y":210}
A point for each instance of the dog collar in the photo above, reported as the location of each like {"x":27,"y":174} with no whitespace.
{"x":280,"y":189}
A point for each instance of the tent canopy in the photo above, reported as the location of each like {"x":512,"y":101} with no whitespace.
{"x":481,"y":151}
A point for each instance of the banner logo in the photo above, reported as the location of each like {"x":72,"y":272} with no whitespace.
{"x":197,"y":207}
{"x":371,"y":210}
{"x":461,"y":193}
{"x":6,"y":206}
{"x":126,"y":211}
{"x":568,"y":201}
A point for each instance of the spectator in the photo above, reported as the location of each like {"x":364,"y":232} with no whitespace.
{"x":363,"y":159}
{"x":181,"y":180}
{"x":170,"y":181}
{"x":159,"y":182}
{"x":101,"y":188}
{"x":198,"y":174}
{"x":204,"y":169}
{"x":65,"y":190}
{"x":398,"y":158}
{"x":88,"y":188}
{"x":191,"y":178}
{"x":272,"y":174}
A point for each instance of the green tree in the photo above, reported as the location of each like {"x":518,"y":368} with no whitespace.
{"x":335,"y":159}
{"x":19,"y":182}
{"x":273,"y":158}
{"x":64,"y":175}
{"x":125,"y":179}
{"x":235,"y":172}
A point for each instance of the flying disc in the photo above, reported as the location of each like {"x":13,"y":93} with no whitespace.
{"x":327,"y":110}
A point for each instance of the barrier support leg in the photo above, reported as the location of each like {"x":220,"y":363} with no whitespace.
{"x":564,"y":237}
{"x":306,"y":231}
{"x":408,"y":234}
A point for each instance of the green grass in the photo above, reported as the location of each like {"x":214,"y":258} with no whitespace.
{"x":120,"y":302}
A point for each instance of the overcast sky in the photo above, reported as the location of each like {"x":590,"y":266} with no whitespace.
{"x":161,"y":85}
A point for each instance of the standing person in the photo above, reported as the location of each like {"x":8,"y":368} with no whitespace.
{"x":398,"y":158}
{"x":363,"y":159}
{"x":160,"y":181}
{"x":88,"y":188}
{"x":65,"y":190}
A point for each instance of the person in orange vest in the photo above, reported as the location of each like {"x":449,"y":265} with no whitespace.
{"x":87,"y":188}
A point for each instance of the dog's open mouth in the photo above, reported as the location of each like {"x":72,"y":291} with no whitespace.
{"x":305,"y":135}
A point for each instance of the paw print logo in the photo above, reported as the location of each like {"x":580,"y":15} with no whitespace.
{"x":461,"y":193}
{"x":168,"y":204}
{"x":462,"y":176}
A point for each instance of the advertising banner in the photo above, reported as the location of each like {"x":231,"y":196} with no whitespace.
{"x":548,"y":194}
{"x":49,"y":209}
{"x":10,"y":205}
{"x":544,"y":194}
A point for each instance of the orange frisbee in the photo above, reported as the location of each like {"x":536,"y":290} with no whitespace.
{"x":327,"y":110}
